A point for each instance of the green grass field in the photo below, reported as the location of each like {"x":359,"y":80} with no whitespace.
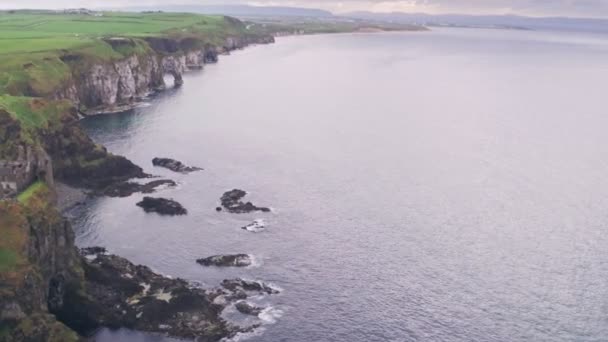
{"x":27,"y":32}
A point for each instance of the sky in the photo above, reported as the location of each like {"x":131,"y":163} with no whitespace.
{"x":572,"y":8}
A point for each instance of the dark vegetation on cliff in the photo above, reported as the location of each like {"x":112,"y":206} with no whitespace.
{"x":36,"y":251}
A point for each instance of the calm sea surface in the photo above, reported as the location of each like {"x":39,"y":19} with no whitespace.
{"x":441,"y":186}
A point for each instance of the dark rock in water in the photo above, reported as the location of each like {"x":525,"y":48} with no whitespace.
{"x":93,"y":251}
{"x":218,"y":209}
{"x":248,"y":309}
{"x":231,"y":200}
{"x":126,"y":189}
{"x":174,"y":165}
{"x":236,"y":260}
{"x":235,"y":285}
{"x":121,"y":294}
{"x":255,"y":226}
{"x":162,"y":206}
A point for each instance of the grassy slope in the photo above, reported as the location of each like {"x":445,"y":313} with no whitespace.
{"x":33,"y":112}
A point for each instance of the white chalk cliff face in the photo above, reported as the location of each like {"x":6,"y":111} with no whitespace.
{"x":104,"y":87}
{"x":119,"y":83}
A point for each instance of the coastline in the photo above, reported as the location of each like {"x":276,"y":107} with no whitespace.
{"x":59,"y":150}
{"x":96,"y":86}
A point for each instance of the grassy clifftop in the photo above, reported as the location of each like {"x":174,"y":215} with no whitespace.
{"x":31,"y":32}
{"x":34,"y":45}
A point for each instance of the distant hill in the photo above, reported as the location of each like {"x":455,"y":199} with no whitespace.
{"x":489,"y":21}
{"x":239,"y":10}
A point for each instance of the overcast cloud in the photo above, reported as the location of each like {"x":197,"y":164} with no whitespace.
{"x":586,"y":8}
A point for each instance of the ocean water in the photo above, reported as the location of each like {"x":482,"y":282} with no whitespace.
{"x":449,"y":185}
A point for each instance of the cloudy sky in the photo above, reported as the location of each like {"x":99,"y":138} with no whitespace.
{"x":586,"y":8}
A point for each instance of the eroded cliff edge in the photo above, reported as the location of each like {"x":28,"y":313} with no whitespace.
{"x":97,"y":86}
{"x":43,"y":277}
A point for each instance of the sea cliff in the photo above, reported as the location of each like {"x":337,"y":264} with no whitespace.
{"x":49,"y":291}
{"x":112,"y":85}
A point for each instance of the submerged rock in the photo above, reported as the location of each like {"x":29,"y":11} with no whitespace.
{"x":162,"y":206}
{"x":241,"y":285}
{"x":248,"y":309}
{"x":121,"y":294}
{"x":127,"y":189}
{"x":231,"y":200}
{"x":235,"y":260}
{"x":255,"y":226}
{"x":174,"y":165}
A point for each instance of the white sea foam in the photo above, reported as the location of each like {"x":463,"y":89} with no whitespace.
{"x":275,"y":287}
{"x":255,"y":262}
{"x":245,"y":336}
{"x":270,"y":315}
{"x":256,"y":226}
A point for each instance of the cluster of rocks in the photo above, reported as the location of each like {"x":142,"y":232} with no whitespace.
{"x":126,"y":295}
{"x":231,"y":201}
{"x":139,"y":299}
{"x":174,"y":165}
{"x":162,"y":206}
{"x":126,"y":189}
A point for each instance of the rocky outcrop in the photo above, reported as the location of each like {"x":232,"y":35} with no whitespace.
{"x":162,"y":206}
{"x":247,"y":309}
{"x":126,"y":189}
{"x":241,"y":285}
{"x":79,"y":162}
{"x":113,"y":85}
{"x":231,"y":200}
{"x":174,"y":165}
{"x":234,"y":260}
{"x":48,"y":268}
{"x":17,"y":174}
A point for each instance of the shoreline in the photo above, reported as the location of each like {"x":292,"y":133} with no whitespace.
{"x":94,"y":85}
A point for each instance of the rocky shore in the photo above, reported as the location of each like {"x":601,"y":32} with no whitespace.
{"x":126,"y":295}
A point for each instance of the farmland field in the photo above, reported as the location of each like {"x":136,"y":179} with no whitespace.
{"x":26,"y":32}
